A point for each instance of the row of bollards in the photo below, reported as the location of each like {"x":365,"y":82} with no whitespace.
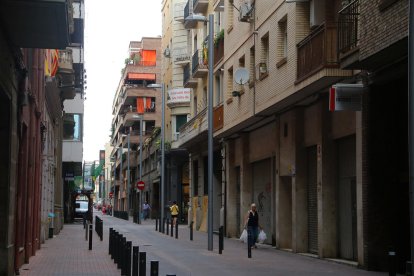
{"x":121,"y":252}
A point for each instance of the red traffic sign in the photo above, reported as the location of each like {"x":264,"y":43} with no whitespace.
{"x":111,"y":194}
{"x":141,"y":185}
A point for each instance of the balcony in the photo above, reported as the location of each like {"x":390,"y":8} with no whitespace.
{"x":218,"y":51}
{"x":37,"y":23}
{"x":181,"y":56}
{"x":194,"y":131}
{"x":200,"y":6}
{"x":188,"y":81}
{"x":65,"y":65}
{"x":179,"y":12}
{"x":199,"y":63}
{"x":316,"y":52}
{"x":66,"y":75}
{"x":348,"y":21}
{"x":218,"y":118}
{"x":131,"y":117}
{"x":188,"y":9}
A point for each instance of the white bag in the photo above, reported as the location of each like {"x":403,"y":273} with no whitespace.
{"x":243,"y":237}
{"x":262,"y":237}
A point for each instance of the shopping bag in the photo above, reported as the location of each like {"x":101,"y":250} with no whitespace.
{"x":243,"y":237}
{"x":262,"y":237}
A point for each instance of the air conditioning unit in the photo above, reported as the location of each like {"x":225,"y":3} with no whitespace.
{"x":245,"y":12}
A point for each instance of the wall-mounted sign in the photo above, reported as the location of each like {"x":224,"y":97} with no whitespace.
{"x":179,"y":95}
{"x":346,"y":96}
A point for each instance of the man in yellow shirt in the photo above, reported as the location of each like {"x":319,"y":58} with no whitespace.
{"x":174,"y":212}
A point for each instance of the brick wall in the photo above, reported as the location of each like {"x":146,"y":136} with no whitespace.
{"x":380,"y":29}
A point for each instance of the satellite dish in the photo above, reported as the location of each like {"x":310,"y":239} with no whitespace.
{"x":241,"y":76}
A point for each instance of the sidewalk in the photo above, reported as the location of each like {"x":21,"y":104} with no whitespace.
{"x":68,"y":254}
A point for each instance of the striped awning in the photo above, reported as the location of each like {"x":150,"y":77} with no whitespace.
{"x":141,"y":76}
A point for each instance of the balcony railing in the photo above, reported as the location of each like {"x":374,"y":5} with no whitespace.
{"x":188,"y":80}
{"x":218,"y":51}
{"x":317,"y":51}
{"x":187,"y":10}
{"x":199,"y":63}
{"x":348,"y":27}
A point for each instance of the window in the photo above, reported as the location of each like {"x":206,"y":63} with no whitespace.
{"x":230,"y":16}
{"x":218,"y":89}
{"x":264,"y":55}
{"x":180,"y":120}
{"x":282,"y":46}
{"x":230,"y":82}
{"x":252,"y":65}
{"x":195,"y":177}
{"x":195,"y":106}
{"x":72,"y":127}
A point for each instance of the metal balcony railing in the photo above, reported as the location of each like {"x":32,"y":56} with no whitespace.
{"x":348,"y":21}
{"x":187,"y":74}
{"x":199,"y":61}
{"x":187,"y":10}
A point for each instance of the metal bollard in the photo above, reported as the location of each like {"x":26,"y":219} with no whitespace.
{"x":392,"y":263}
{"x":163,"y":225}
{"x":176,"y":230}
{"x":90,"y":236}
{"x":159,"y":228}
{"x":123,"y":256}
{"x":142,"y":263}
{"x":128,"y":251}
{"x":168,"y":227}
{"x":86,"y":233}
{"x":156,"y":224}
{"x":154,"y":268}
{"x":221,"y":239}
{"x":172,"y":228}
{"x":135,"y":253}
{"x":191,"y":230}
{"x":110,"y":241}
{"x":119,"y":252}
{"x":115,"y":247}
{"x":249,"y":245}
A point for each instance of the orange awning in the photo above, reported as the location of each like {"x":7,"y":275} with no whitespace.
{"x":141,"y":76}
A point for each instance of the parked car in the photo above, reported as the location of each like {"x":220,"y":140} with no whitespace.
{"x":81,"y":208}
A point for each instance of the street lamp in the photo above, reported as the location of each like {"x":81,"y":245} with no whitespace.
{"x":128,"y":172}
{"x":136,"y":116}
{"x":210,"y":20}
{"x":155,"y":85}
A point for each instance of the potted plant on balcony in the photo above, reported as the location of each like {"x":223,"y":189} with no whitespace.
{"x":218,"y":38}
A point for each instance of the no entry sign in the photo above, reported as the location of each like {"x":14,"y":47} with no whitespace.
{"x":141,"y":185}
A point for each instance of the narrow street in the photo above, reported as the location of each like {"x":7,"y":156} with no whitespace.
{"x":68,"y":254}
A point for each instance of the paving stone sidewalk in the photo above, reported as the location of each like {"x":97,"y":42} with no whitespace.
{"x":68,"y":254}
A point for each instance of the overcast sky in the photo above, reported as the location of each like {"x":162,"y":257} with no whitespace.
{"x":109,"y":27}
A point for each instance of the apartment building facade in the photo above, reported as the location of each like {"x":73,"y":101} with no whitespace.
{"x":72,"y":150}
{"x":312,"y":172}
{"x":27,"y":93}
{"x":137,"y":114}
{"x":176,"y":53}
{"x":374,"y":39}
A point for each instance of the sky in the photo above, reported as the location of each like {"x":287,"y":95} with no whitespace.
{"x":109,"y":27}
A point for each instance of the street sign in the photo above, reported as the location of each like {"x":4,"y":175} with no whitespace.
{"x":141,"y":185}
{"x":111,"y":194}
